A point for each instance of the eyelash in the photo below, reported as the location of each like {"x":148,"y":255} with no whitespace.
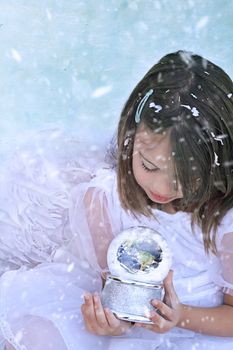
{"x":147,"y":169}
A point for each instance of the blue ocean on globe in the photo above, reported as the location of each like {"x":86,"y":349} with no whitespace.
{"x":141,"y":255}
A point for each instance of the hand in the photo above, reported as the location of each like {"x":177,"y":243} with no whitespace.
{"x":101,"y":321}
{"x":168,"y":312}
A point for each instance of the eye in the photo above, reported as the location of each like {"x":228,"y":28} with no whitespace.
{"x":148,"y":169}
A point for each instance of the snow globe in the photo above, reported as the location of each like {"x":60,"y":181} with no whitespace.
{"x":138,"y":260}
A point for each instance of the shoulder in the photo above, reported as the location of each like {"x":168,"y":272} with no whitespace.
{"x":225,"y":227}
{"x":227,"y":222}
{"x":102,"y":185}
{"x":104,"y":178}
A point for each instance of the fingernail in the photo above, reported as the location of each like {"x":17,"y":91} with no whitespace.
{"x":152,"y":313}
{"x":86,"y":297}
{"x":154,"y":302}
{"x":96,"y":296}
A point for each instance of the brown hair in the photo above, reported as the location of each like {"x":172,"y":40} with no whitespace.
{"x":197,"y":105}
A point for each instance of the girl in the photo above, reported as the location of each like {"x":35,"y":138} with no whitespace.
{"x":174,"y":174}
{"x":175,"y":164}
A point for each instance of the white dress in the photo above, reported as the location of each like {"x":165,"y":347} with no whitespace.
{"x":53,"y":247}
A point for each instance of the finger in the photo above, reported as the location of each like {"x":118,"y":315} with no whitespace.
{"x":168,"y":280}
{"x":150,"y":327}
{"x":170,"y":290}
{"x":103,"y":278}
{"x":99,"y":312}
{"x":104,"y":275}
{"x":169,"y":276}
{"x":88,"y":306}
{"x":88,"y":312}
{"x":158,"y":321}
{"x":158,"y":328}
{"x":112,"y":320}
{"x":163,"y":309}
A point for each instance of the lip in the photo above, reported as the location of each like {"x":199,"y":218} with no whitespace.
{"x":157,"y":198}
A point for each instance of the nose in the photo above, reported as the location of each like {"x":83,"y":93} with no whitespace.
{"x":166,"y":187}
{"x":162,"y":187}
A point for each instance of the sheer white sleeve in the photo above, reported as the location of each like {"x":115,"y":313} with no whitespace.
{"x":224,"y":276}
{"x":226,"y":260}
{"x":94,"y":218}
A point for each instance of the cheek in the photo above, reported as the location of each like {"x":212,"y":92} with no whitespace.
{"x":136,"y":168}
{"x":140,"y":175}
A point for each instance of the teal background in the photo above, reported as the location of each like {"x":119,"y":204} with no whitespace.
{"x":72,"y":64}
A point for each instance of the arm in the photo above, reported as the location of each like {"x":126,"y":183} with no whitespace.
{"x":99,"y":320}
{"x":99,"y":223}
{"x":218,"y":320}
{"x":213,"y":321}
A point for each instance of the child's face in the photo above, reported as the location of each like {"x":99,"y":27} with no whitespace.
{"x":153,"y":166}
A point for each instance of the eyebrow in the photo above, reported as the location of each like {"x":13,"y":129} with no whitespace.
{"x":147,"y":160}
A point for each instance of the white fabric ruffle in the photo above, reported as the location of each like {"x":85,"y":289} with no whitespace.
{"x":58,"y":215}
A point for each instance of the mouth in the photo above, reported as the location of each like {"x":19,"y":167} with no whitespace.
{"x":161,"y":199}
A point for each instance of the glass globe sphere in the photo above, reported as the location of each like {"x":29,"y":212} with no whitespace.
{"x":141,"y":254}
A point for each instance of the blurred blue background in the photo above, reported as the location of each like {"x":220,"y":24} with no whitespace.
{"x":72,"y":64}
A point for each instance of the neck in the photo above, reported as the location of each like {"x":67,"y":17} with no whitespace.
{"x":168,"y":208}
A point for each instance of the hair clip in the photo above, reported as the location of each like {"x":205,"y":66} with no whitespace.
{"x":141,"y":105}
